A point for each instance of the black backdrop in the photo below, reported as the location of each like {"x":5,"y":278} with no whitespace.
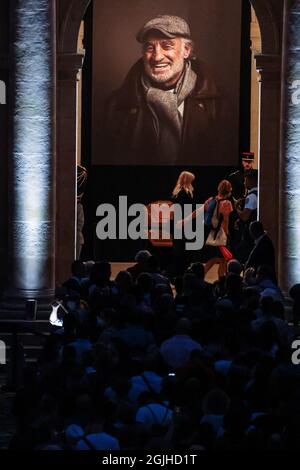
{"x":147,"y":183}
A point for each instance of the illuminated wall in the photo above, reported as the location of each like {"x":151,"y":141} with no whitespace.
{"x":290,"y":155}
{"x":32,"y":170}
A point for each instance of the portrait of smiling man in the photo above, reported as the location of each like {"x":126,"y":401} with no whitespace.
{"x":167,"y":110}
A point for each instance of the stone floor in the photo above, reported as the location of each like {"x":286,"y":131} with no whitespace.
{"x":7,"y":427}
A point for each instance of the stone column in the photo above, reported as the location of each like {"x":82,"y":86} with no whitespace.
{"x":289,"y":222}
{"x":4,"y":86}
{"x":68,"y":66}
{"x":255,"y":49}
{"x":269,"y":67}
{"x":32,"y":153}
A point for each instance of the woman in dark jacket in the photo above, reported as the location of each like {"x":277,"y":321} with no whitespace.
{"x":182,"y":195}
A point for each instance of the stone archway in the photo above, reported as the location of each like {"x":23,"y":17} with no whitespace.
{"x":268,"y":64}
{"x":70,"y":15}
{"x":270,"y":31}
{"x":69,"y":62}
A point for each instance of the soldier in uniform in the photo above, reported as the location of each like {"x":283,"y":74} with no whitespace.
{"x":237,"y":178}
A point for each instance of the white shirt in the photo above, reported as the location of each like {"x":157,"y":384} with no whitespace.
{"x":176,"y":350}
{"x":154,"y":413}
{"x":251,"y":200}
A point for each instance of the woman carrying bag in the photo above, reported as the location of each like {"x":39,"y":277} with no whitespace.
{"x":217,"y":210}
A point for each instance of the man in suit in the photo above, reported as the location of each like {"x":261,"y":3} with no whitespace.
{"x":263,"y":252}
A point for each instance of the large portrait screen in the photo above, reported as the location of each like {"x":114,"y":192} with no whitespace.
{"x":166,"y":82}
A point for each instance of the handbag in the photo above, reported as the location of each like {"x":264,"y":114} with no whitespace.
{"x":217,"y":238}
{"x":227,"y":255}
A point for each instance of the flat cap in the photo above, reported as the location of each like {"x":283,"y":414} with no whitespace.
{"x":169,"y":26}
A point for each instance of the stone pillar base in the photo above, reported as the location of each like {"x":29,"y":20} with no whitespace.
{"x":16,"y":300}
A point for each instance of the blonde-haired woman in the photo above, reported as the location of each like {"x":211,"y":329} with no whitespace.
{"x":182,"y":194}
{"x":184,"y":186}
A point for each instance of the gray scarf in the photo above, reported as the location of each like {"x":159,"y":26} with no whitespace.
{"x":164,"y":107}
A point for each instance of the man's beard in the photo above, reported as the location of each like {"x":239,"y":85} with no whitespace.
{"x":174,"y":69}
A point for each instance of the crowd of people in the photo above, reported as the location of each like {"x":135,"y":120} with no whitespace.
{"x":162,"y":359}
{"x":140,"y":363}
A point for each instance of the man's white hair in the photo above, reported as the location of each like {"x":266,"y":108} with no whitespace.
{"x":189,"y":43}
